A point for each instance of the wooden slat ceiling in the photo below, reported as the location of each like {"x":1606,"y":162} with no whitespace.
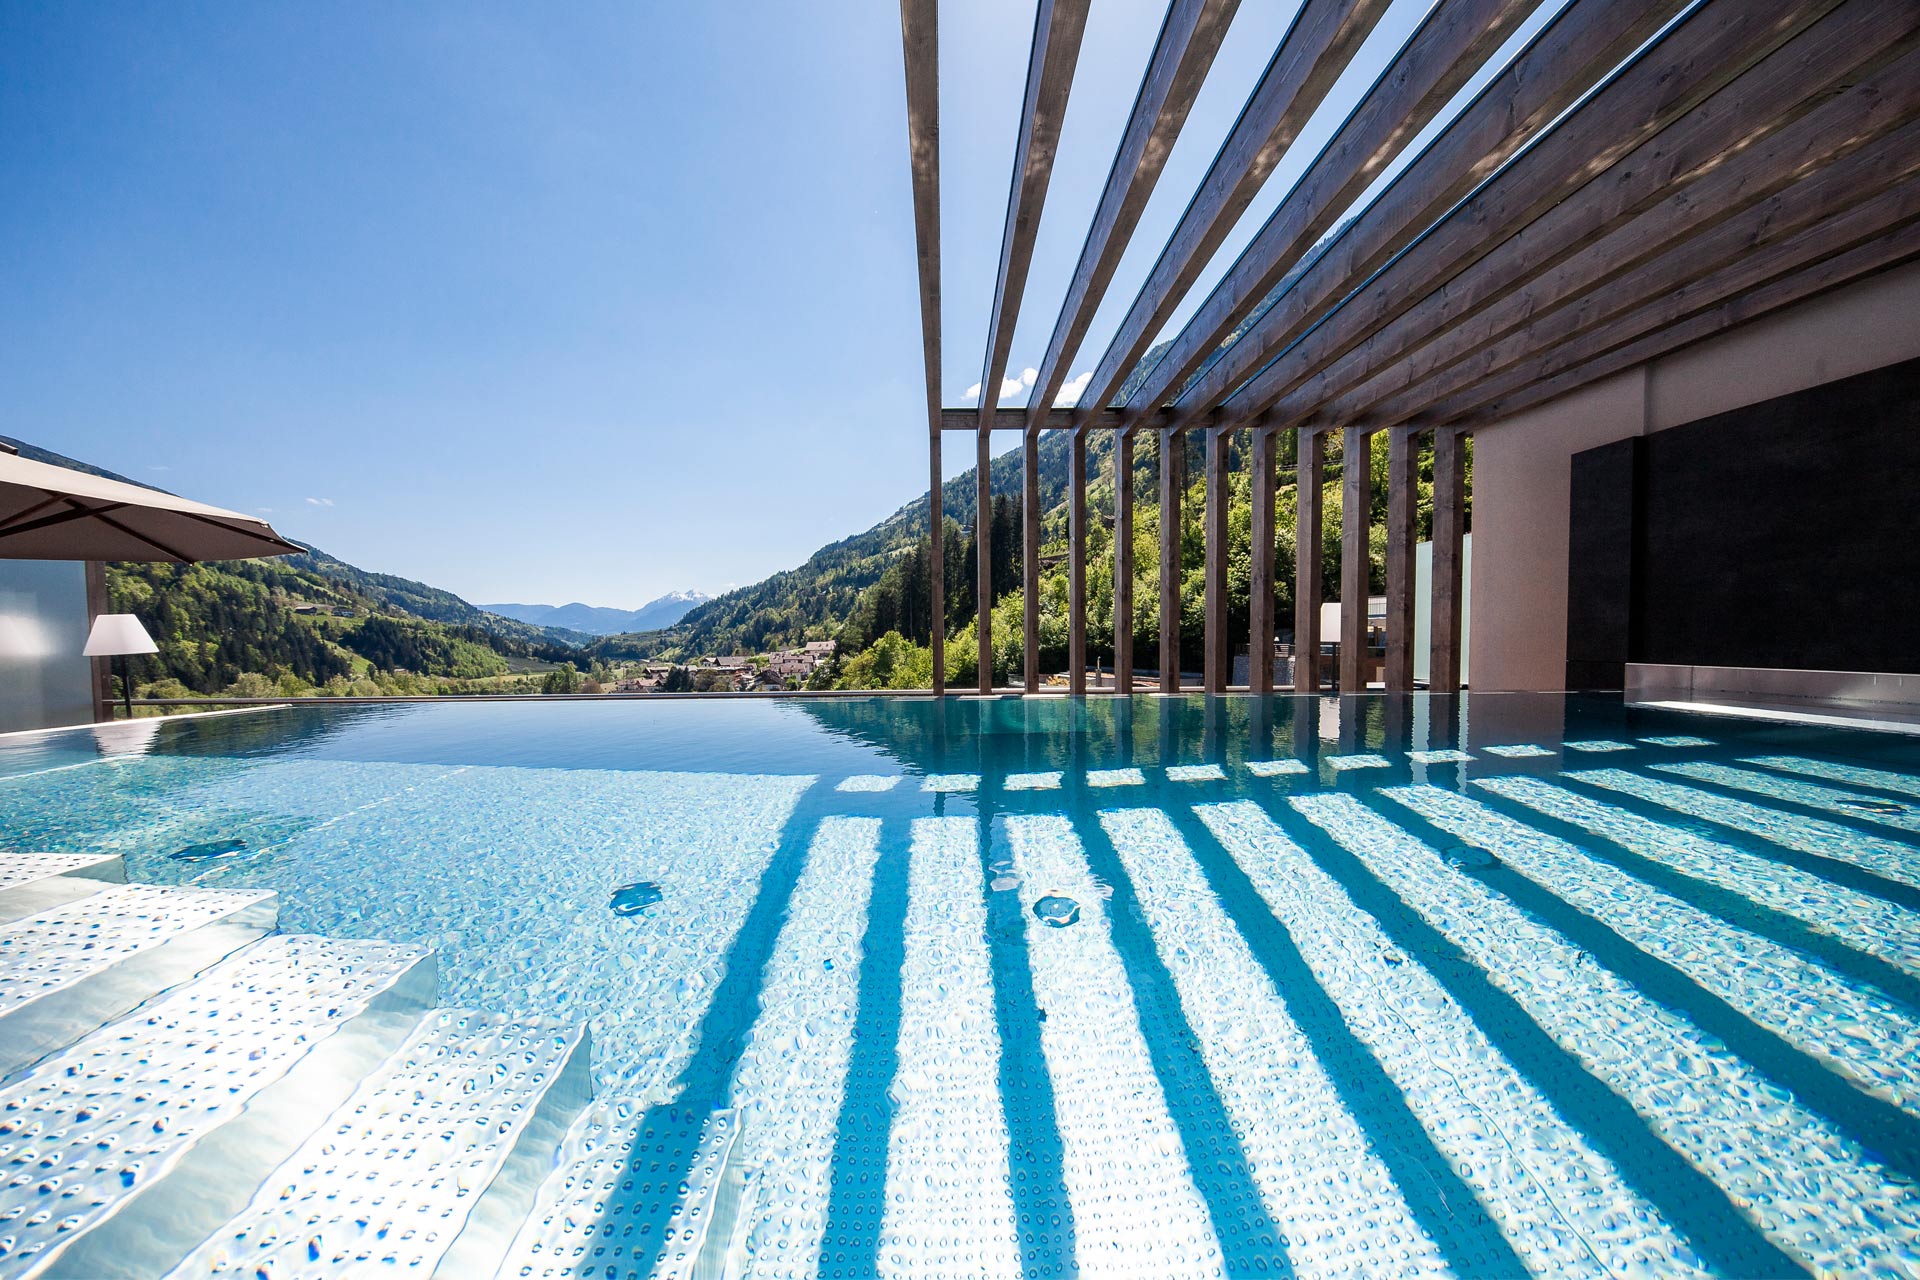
{"x":1641,"y":175}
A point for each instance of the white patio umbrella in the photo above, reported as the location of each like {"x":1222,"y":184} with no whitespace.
{"x":58,"y":513}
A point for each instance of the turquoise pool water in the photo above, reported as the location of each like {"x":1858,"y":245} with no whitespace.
{"x":1491,"y":986}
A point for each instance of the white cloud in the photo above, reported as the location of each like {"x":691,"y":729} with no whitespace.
{"x":265,"y":511}
{"x":1009,"y":387}
{"x":1070,"y":393}
{"x":319,"y":502}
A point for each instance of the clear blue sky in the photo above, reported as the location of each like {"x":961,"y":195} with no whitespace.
{"x":535,"y":302}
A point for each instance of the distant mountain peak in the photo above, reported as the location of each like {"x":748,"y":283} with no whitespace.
{"x":598,"y":620}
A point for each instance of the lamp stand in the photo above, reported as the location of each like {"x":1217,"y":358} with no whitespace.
{"x":126,"y":685}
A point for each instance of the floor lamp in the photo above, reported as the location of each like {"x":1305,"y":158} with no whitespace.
{"x":115,"y":635}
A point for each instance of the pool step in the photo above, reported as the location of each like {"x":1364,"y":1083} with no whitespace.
{"x":656,"y":1189}
{"x":34,"y":882}
{"x":428,"y":1168}
{"x":67,"y":970}
{"x":139,"y":1140}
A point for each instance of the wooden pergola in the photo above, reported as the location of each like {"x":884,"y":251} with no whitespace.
{"x":1642,"y":174}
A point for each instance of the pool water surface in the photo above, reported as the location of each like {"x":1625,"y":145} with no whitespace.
{"x":1496,"y":985}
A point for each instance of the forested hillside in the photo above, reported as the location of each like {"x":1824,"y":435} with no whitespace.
{"x":282,"y":627}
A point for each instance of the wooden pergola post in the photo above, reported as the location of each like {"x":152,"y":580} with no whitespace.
{"x":1449,"y":530}
{"x":1218,"y":653}
{"x":1260,"y":591}
{"x":937,"y":566}
{"x":1308,"y":501}
{"x":1077,"y":565}
{"x":1356,"y":503}
{"x":1030,"y":557}
{"x":1173,"y":486}
{"x":1403,"y":480}
{"x":1123,"y":562}
{"x":983,"y":557}
{"x":99,"y":670}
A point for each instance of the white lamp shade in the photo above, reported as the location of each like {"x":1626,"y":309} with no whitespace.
{"x":118,"y":633}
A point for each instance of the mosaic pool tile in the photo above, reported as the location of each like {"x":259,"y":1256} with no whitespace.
{"x":949,"y":1189}
{"x":1033,"y":781}
{"x":1676,"y":740}
{"x":1517,"y":751}
{"x":1195,"y":773}
{"x":1850,"y":774}
{"x":395,"y":1173}
{"x":951,"y":782}
{"x":1894,"y":859}
{"x":1486,"y":1120}
{"x":71,"y":1126}
{"x":1595,"y":745}
{"x":1277,"y":768}
{"x":1783,"y":1164}
{"x":1314,"y":1167}
{"x":1127,"y":1171}
{"x":870,"y":782}
{"x":1116,"y":778}
{"x":1344,"y":763}
{"x":1859,"y":920}
{"x":1845,"y":804}
{"x":792,"y":1077}
{"x":1853,"y":1029}
{"x":1447,"y":755}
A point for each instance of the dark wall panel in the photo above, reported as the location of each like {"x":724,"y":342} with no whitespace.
{"x":1783,"y":534}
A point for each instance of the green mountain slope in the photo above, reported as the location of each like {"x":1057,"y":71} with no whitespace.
{"x":310,"y":622}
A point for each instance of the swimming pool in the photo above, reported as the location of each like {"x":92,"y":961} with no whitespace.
{"x":1507,"y":984}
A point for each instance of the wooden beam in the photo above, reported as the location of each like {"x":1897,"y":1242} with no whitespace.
{"x":1057,"y":28}
{"x":1356,"y":527}
{"x":1323,"y":38}
{"x":920,"y":44}
{"x":1217,"y":650}
{"x":1260,"y":588}
{"x":1672,"y":322}
{"x":1123,"y":563}
{"x":1189,"y":38}
{"x":1449,"y":530}
{"x":1403,"y":485}
{"x":1810,"y":106}
{"x":1688,"y":63}
{"x":1307,"y":570}
{"x":1445,"y":51}
{"x":1173,"y":487}
{"x":1030,"y":559}
{"x":1077,"y":566}
{"x":1828,"y":212}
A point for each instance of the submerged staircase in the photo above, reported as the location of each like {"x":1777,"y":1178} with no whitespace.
{"x":186,"y":1092}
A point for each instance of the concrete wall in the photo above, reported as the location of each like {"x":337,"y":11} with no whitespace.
{"x":44,"y":680}
{"x":1522,"y":466}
